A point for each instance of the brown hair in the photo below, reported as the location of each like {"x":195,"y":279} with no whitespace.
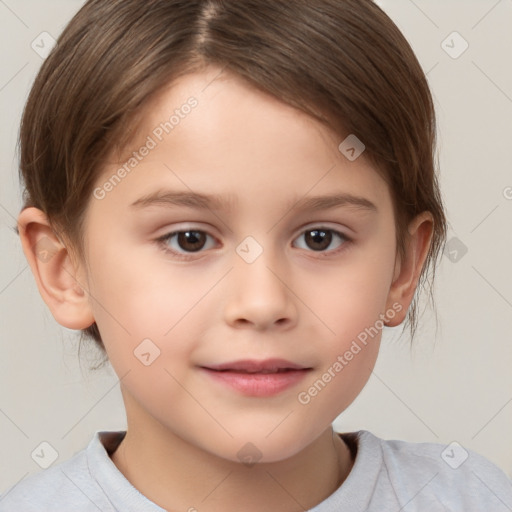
{"x":343,"y":62}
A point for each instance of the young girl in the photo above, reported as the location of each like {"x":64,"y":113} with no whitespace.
{"x":232,"y":198}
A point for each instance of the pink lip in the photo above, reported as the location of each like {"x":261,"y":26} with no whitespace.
{"x":252,"y":378}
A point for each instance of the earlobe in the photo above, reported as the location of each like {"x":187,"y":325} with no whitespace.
{"x":60,"y":283}
{"x":408,"y":270}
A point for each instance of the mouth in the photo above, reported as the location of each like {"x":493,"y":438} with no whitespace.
{"x":257,"y":378}
{"x":254,"y":366}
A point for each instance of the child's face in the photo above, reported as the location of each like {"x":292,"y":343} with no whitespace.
{"x":258,"y":287}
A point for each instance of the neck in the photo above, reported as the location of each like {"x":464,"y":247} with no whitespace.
{"x":179,"y":476}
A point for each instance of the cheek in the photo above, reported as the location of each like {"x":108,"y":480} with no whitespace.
{"x":137,"y":296}
{"x":355,"y":293}
{"x":351,"y":304}
{"x":349,"y":349}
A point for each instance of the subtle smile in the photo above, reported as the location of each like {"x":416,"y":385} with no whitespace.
{"x":257,"y":378}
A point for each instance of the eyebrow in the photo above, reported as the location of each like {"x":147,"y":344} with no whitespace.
{"x":200,"y":201}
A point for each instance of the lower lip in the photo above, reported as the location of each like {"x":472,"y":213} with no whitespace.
{"x":258,"y":384}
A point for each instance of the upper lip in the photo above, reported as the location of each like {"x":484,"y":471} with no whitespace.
{"x":253,"y":365}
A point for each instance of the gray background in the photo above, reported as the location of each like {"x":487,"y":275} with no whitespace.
{"x":454,"y":385}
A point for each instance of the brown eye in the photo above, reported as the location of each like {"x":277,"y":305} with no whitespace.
{"x":319,"y":239}
{"x":191,"y":240}
{"x":186,"y":241}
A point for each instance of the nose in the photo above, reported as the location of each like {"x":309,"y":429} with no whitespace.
{"x":260,"y":296}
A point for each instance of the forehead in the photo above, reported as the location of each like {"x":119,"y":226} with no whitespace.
{"x":212,"y":132}
{"x":225,"y":104}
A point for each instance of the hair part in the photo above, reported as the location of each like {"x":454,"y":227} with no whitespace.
{"x":343,"y":62}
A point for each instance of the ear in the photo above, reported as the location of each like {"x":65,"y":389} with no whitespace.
{"x":408,"y":270}
{"x":58,"y":279}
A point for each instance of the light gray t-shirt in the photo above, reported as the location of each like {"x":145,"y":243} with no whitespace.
{"x":387,"y":476}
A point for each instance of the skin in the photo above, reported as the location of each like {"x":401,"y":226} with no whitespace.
{"x":293,"y":302}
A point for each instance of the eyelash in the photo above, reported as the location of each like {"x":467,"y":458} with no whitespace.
{"x":163,"y":242}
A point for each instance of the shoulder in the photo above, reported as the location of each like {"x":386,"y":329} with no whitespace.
{"x":57,"y":488}
{"x":449,"y":475}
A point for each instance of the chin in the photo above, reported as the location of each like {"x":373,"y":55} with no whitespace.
{"x":251,"y":449}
